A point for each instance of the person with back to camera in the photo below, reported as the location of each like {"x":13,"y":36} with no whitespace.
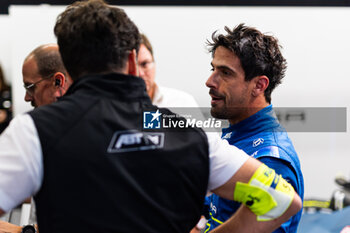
{"x":247,"y":65}
{"x":160,"y":96}
{"x":45,"y":79}
{"x":91,"y":166}
{"x":5,"y":103}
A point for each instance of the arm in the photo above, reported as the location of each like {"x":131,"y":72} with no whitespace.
{"x":205,"y":215}
{"x":6,"y":227}
{"x":199,"y":226}
{"x":244,"y":220}
{"x":244,"y":174}
{"x":21,"y":169}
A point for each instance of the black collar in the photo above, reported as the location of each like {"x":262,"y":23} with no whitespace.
{"x":110,"y":85}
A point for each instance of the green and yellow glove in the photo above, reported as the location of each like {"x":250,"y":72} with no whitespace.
{"x":267,"y":194}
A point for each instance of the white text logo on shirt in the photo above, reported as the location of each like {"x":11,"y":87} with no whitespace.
{"x":227,"y":136}
{"x":257,"y":142}
{"x":133,"y":140}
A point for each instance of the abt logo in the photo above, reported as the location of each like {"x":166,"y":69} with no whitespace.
{"x":133,"y":140}
{"x":151,"y":120}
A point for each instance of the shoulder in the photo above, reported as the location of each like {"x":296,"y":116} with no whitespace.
{"x":278,"y":152}
{"x":57,"y":119}
{"x":278,"y":147}
{"x":283,"y":162}
{"x":21,"y":158}
{"x":22,"y":122}
{"x":274,"y":143}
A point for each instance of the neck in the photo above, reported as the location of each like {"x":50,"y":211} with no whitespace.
{"x":151,"y":91}
{"x":248,"y":111}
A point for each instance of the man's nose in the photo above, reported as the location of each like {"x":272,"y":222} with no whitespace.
{"x":141,"y":72}
{"x":211,"y":83}
{"x":28,"y":97}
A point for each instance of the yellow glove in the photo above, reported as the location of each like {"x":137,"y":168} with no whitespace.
{"x":267,"y":194}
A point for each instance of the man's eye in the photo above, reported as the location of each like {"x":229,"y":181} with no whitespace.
{"x":145,"y":64}
{"x":225,"y":72}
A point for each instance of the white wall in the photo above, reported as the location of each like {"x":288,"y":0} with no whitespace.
{"x":5,"y":45}
{"x":31,"y":26}
{"x":315,"y":42}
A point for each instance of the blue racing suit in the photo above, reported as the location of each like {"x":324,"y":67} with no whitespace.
{"x":262,"y":137}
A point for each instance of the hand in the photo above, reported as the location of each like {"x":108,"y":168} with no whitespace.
{"x":6,"y":227}
{"x":194,"y":230}
{"x":3,"y":115}
{"x":200,"y":225}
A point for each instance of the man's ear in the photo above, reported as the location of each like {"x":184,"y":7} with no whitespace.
{"x":132,"y":63}
{"x":261,"y":83}
{"x":59,"y":83}
{"x":59,"y":79}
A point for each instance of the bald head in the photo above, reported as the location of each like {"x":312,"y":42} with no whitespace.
{"x":44,"y":75}
{"x":48,"y":59}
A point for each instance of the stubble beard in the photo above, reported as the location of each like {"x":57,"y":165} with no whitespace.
{"x":219,"y":113}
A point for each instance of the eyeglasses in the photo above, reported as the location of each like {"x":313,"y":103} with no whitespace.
{"x":30,"y":88}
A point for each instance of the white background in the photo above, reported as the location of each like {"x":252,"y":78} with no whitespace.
{"x":315,"y":43}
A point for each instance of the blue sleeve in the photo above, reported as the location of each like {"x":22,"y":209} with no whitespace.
{"x":282,"y":167}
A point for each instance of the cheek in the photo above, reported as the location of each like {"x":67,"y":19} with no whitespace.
{"x":226,"y":90}
{"x":146,"y":77}
{"x":146,"y":80}
{"x":152,"y":74}
{"x":149,"y":77}
{"x":47,"y":95}
{"x":230,"y":94}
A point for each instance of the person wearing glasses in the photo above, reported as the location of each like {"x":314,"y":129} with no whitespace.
{"x":44,"y":76}
{"x":160,"y":96}
{"x":45,"y":79}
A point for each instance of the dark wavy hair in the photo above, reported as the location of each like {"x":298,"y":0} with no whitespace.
{"x":94,"y":37}
{"x":259,"y":54}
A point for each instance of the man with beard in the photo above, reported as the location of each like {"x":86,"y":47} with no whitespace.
{"x":246,"y":67}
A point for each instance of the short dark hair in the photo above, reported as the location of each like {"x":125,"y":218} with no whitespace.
{"x":147,"y":43}
{"x":94,"y":37}
{"x":259,"y":54}
{"x":49,"y":61}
